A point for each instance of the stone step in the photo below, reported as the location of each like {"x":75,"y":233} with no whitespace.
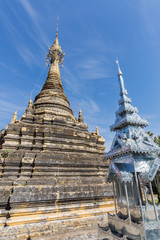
{"x":67,"y":174}
{"x":53,"y":155}
{"x":51,"y":189}
{"x":5,"y":182}
{"x":56,"y":230}
{"x":58,"y":214}
{"x":63,"y":163}
{"x":70,"y":156}
{"x":77,"y":180}
{"x":35,"y":175}
{"x":46,"y":196}
{"x":54,"y":168}
{"x":64,"y":160}
{"x":70,"y":168}
{"x":12,"y":163}
{"x":89,"y":234}
{"x":10,"y":168}
{"x":56,"y":161}
{"x":80,"y":148}
{"x":58,"y":180}
{"x":107,"y":202}
{"x":10,"y":175}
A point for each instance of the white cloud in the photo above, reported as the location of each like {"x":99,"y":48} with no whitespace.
{"x":149,"y":13}
{"x":149,"y":116}
{"x":36,"y":19}
{"x":34,"y":31}
{"x":89,"y":106}
{"x":102,"y":46}
{"x":28,"y":55}
{"x":71,"y":81}
{"x":93,"y":68}
{"x":29,"y":9}
{"x":29,"y":28}
{"x":7,"y":106}
{"x":3,"y":65}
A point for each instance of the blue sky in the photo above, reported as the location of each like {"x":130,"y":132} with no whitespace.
{"x":93,"y":34}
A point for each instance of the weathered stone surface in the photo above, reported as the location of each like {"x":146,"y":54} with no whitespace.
{"x":53,"y":174}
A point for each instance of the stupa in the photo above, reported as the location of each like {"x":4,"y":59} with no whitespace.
{"x":134,"y":173}
{"x":52,"y":171}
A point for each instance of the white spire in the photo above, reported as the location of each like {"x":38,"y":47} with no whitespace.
{"x":119,"y":70}
{"x":127,"y":115}
{"x":121,"y":81}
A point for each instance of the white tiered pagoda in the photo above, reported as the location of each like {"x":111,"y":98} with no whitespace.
{"x":134,"y":173}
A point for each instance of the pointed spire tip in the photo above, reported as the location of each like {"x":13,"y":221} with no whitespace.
{"x":57,"y":26}
{"x":119,"y":70}
{"x":55,"y":53}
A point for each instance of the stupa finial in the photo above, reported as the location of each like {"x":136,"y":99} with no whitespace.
{"x":97,"y":131}
{"x":57,"y":26}
{"x":119,"y":70}
{"x":55,"y":54}
{"x":121,"y":81}
{"x":30,"y":103}
{"x":14,"y":118}
{"x":80,"y":117}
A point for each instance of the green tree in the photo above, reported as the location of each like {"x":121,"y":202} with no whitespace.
{"x":150,"y":134}
{"x":157,"y":140}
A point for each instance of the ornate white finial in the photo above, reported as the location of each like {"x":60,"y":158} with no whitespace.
{"x":120,"y":79}
{"x":119,"y":70}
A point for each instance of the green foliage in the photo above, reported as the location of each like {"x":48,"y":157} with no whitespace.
{"x":5,"y":153}
{"x":150,"y":134}
{"x":157,"y":140}
{"x":25,"y":184}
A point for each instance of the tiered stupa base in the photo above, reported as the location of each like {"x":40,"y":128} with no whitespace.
{"x":51,"y":185}
{"x":55,"y":193}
